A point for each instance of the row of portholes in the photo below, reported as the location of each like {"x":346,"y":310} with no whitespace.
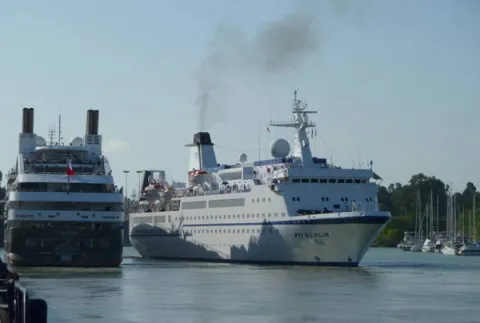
{"x":263,"y":200}
{"x":247,"y":231}
{"x":233,"y":216}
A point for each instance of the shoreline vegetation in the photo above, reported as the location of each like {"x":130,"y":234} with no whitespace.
{"x":401,"y":200}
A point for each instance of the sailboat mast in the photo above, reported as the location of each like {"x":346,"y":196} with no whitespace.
{"x":438,"y":213}
{"x":474,"y":220}
{"x":431,"y":212}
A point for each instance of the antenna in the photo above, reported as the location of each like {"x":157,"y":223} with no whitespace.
{"x":60,"y":129}
{"x":51,"y":134}
{"x":259,"y":143}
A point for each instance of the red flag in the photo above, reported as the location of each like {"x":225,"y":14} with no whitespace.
{"x":70,"y":171}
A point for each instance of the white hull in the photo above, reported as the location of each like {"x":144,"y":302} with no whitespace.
{"x":449,"y":251}
{"x":334,"y":240}
{"x":416,"y":248}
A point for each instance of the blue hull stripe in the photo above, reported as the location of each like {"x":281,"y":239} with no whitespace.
{"x":357,"y":219}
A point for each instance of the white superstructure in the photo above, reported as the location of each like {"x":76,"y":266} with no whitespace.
{"x":62,"y":204}
{"x":293,"y":209}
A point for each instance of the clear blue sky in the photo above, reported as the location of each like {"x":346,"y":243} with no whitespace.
{"x":397,"y":82}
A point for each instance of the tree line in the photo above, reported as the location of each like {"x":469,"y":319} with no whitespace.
{"x":401,"y":201}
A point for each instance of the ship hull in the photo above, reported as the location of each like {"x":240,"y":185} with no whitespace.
{"x":64,"y":245}
{"x":321,"y":241}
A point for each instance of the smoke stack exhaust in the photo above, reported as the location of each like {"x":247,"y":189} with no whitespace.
{"x":25,"y":120}
{"x":87,"y":128}
{"x":92,"y":122}
{"x":95,"y":122}
{"x":31,"y":118}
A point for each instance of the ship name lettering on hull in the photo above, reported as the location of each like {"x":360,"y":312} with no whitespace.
{"x":311,"y":235}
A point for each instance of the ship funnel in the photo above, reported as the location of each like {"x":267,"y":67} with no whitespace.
{"x":202,"y":154}
{"x":95,"y":115}
{"x":92,"y":122}
{"x":89,"y":122}
{"x":27,"y":120}
{"x":30,"y":119}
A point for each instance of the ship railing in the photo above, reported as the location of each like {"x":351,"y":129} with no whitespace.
{"x":362,"y":206}
{"x":16,"y":306}
{"x":189,"y":193}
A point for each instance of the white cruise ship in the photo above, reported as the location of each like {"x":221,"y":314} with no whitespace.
{"x":62,"y":206}
{"x":292,"y":209}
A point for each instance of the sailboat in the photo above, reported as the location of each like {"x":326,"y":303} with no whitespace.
{"x":417,"y":246}
{"x":449,"y":248}
{"x":472,"y":249}
{"x":429,"y":243}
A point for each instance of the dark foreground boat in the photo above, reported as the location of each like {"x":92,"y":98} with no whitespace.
{"x":17,"y":307}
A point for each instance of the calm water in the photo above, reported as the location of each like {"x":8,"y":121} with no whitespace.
{"x":391,"y":286}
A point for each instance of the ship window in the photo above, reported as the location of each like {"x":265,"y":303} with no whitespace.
{"x":276,"y":214}
{"x":331,"y":180}
{"x":364,"y":181}
{"x":323,"y":180}
{"x":258,"y":215}
{"x":263,"y":215}
{"x":340,"y":181}
{"x":269,"y":215}
{"x":283,"y":213}
{"x":253,"y":200}
{"x":269,"y":199}
{"x":314,"y":180}
{"x":327,"y":198}
{"x":243,"y":215}
{"x":336,"y":206}
{"x":323,"y":199}
{"x":30,"y":242}
{"x":295,"y":180}
{"x":298,"y":199}
{"x":263,"y":200}
{"x":258,"y":200}
{"x":305,"y":180}
{"x":349,"y":181}
{"x":357,"y":181}
{"x":248,"y":215}
{"x":346,"y":199}
{"x":341,"y":199}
